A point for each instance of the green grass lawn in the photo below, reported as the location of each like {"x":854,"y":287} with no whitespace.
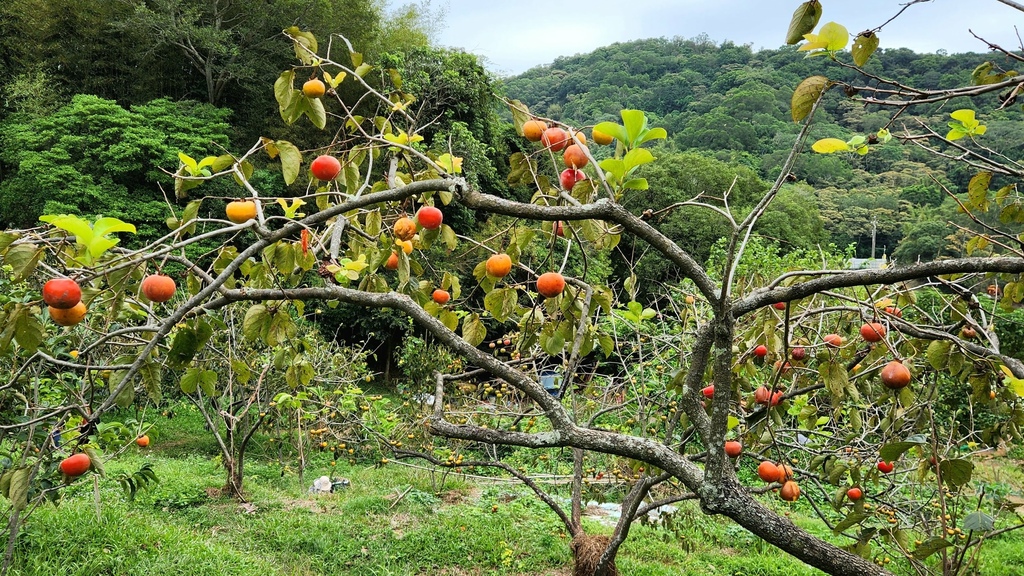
{"x":393,"y":520}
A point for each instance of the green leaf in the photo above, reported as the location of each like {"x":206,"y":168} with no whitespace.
{"x":285,"y":92}
{"x":291,"y":160}
{"x":241,"y":371}
{"x":316,"y":113}
{"x":553,"y":344}
{"x":635,"y":122}
{"x":190,"y":381}
{"x":614,"y":130}
{"x":23,"y":259}
{"x":977,"y":191}
{"x":7,"y":238}
{"x":636,"y":184}
{"x":805,"y":18}
{"x":502,"y":303}
{"x":28,"y":332}
{"x":929,"y":547}
{"x":450,"y":319}
{"x":892,"y":452}
{"x":653,"y":134}
{"x":956,"y":472}
{"x":208,"y":382}
{"x":151,"y":377}
{"x":449,"y":238}
{"x":254,"y":324}
{"x":806,"y":94}
{"x":189,"y":162}
{"x":979,"y":521}
{"x":863,"y":47}
{"x":281,"y":329}
{"x":830,"y":146}
{"x":473,"y":330}
{"x":18,"y":490}
{"x":362,"y":69}
{"x":305,"y":42}
{"x":126,"y":397}
{"x":938,"y":354}
{"x":637,"y":157}
{"x":851,"y":519}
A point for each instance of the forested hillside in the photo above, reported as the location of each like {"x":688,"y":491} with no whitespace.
{"x":134,"y":83}
{"x":731,"y":104}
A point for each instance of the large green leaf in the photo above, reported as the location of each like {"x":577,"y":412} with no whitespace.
{"x":18,"y":491}
{"x":892,"y":452}
{"x":502,"y":303}
{"x":305,"y":42}
{"x":853,"y":518}
{"x":929,"y":547}
{"x":956,"y":472}
{"x":863,"y":47}
{"x":23,"y":259}
{"x":806,"y":94}
{"x":805,"y":18}
{"x":938,"y":354}
{"x":977,"y":191}
{"x":291,"y":160}
{"x":473,"y":330}
{"x":979,"y":521}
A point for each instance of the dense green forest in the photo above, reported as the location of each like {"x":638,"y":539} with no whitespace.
{"x":730,"y":104}
{"x":101,"y":96}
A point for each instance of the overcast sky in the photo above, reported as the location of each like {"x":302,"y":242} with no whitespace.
{"x":517,"y":35}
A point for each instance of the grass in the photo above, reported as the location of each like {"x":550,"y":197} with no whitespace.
{"x":393,"y":520}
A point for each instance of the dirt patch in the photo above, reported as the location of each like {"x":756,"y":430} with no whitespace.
{"x":453,"y":497}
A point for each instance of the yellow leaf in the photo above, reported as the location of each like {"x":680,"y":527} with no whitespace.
{"x":830,"y":146}
{"x":357,"y":265}
{"x":832,"y":37}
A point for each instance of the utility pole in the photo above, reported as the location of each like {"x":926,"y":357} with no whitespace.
{"x":874,"y":229}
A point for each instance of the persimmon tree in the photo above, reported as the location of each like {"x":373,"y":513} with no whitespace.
{"x":826,"y":380}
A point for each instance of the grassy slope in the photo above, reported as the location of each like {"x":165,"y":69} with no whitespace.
{"x":177,"y":528}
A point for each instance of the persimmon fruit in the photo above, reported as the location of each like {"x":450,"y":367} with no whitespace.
{"x":429,"y":217}
{"x":554,"y":138}
{"x":601,"y":138}
{"x":570,"y":177}
{"x":895,"y":375}
{"x":872,"y":331}
{"x":325,"y":167}
{"x":239,"y":211}
{"x":499,"y":265}
{"x":733,"y":448}
{"x":62,"y":293}
{"x":68,"y":316}
{"x":76,"y":464}
{"x":314,"y":88}
{"x":550,"y":284}
{"x":158,"y":287}
{"x":405,"y":228}
{"x":575,"y":156}
{"x":768,"y":471}
{"x":532,"y":129}
{"x":790,"y":491}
